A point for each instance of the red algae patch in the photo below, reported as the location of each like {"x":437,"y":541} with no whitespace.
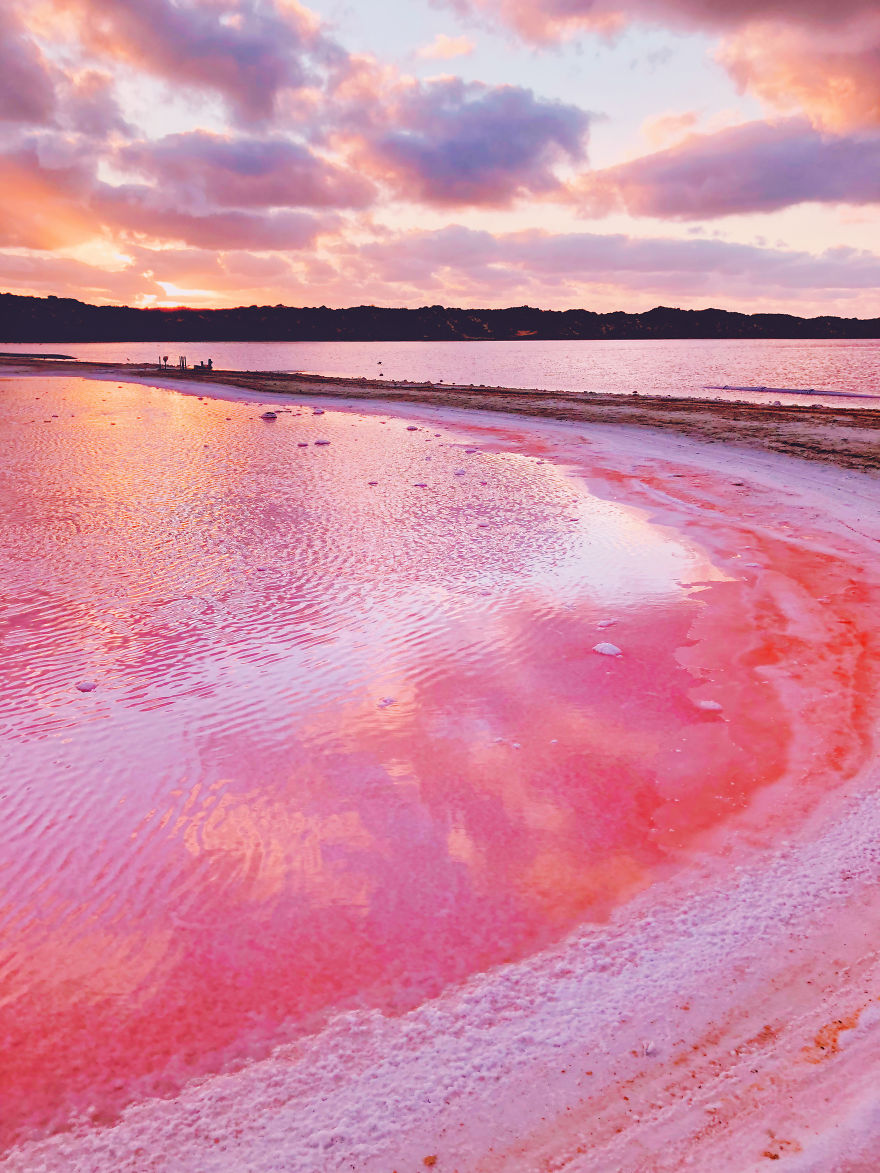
{"x":364,"y":813}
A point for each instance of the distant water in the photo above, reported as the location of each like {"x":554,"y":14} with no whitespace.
{"x":663,"y":367}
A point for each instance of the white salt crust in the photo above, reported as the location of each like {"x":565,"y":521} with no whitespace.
{"x":681,"y":1035}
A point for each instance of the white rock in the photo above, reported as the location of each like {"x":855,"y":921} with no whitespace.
{"x":608,"y":650}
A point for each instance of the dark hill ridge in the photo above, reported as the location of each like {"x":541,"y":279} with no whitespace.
{"x":61,"y":319}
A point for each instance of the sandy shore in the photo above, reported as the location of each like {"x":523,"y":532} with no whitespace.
{"x":726,"y":1019}
{"x":846,"y":436}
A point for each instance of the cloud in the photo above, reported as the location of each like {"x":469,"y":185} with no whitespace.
{"x":205,"y":170}
{"x":248,"y":51}
{"x":51,"y":199}
{"x":811,"y":55}
{"x":461,"y":266}
{"x":139,"y":212}
{"x":547,"y":20}
{"x":27,"y":90}
{"x":755,"y":167}
{"x":88,"y":106}
{"x":663,"y":129}
{"x":458,"y":265}
{"x":443,"y":48}
{"x":834,"y":76}
{"x":448,"y":142}
{"x":44,"y":204}
{"x":64,"y":277}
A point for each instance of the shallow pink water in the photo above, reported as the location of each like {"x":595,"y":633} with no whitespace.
{"x":348,"y":742}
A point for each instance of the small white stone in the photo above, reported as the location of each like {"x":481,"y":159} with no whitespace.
{"x":608,"y":650}
{"x":710,"y":706}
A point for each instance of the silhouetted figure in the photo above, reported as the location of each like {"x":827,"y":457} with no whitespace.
{"x":210,"y":364}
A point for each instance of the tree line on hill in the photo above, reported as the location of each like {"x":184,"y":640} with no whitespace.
{"x":62,"y":319}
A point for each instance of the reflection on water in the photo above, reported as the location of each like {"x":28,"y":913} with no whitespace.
{"x":348,"y":741}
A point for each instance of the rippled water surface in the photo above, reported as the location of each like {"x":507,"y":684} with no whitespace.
{"x":661,"y":367}
{"x":304,"y":715}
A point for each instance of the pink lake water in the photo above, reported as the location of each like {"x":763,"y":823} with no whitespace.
{"x":847,"y":367}
{"x":346,"y":741}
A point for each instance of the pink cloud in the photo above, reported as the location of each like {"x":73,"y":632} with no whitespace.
{"x":32,"y":273}
{"x":457,"y":265}
{"x":664,"y":129}
{"x":448,"y":142}
{"x":811,"y":55}
{"x":51,"y":199}
{"x":208,"y":170}
{"x":635,"y":263}
{"x":248,"y":51}
{"x":443,"y":48}
{"x":546,"y":20}
{"x":140,"y":212}
{"x":756,"y":167}
{"x":27,"y":90}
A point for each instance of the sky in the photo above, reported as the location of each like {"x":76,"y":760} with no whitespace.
{"x":606,"y":154}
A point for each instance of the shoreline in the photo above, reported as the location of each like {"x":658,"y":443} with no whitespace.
{"x":839,"y":435}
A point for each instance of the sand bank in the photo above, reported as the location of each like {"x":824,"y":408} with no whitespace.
{"x":727,"y":1017}
{"x":847,"y":436}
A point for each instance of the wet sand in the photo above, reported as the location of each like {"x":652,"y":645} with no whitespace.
{"x":728,"y":1015}
{"x":847,"y":436}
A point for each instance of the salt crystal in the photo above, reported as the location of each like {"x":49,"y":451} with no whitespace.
{"x":608,"y":650}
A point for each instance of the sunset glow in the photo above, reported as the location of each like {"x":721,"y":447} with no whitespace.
{"x":613,"y":154}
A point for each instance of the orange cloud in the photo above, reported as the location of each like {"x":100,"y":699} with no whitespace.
{"x":833,"y":76}
{"x":43,"y":207}
{"x":442,"y":48}
{"x":664,"y":129}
